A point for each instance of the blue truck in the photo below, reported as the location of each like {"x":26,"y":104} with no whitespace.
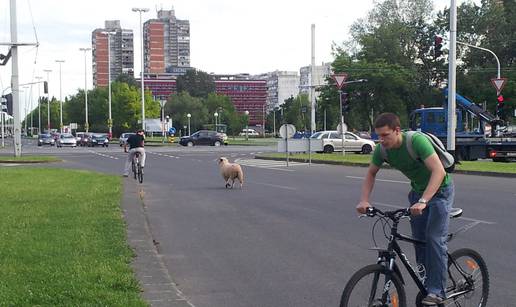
{"x":496,"y":144}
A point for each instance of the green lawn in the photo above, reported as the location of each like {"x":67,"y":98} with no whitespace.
{"x":482,"y":166}
{"x":63,"y":240}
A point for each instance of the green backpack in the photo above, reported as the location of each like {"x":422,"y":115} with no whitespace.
{"x":446,"y":158}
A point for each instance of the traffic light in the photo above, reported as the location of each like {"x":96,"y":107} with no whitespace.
{"x":45,"y":87}
{"x":499,"y":106}
{"x":438,"y":45}
{"x":345,"y":102}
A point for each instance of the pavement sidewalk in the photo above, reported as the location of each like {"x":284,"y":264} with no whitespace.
{"x":158,"y":286}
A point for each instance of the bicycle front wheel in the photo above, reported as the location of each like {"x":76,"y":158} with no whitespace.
{"x":366,"y":288}
{"x":468,"y":274}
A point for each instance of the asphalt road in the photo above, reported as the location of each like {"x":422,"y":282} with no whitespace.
{"x":291,"y":236}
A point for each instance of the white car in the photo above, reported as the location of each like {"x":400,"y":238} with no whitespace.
{"x":332,"y":141}
{"x":66,"y":139}
{"x":250,"y":132}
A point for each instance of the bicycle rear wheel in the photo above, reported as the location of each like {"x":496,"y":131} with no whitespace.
{"x":365,"y":288}
{"x":474,"y":280}
{"x":134,"y":168}
{"x":140,"y":173}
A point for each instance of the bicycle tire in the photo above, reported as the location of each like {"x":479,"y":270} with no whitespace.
{"x":359,"y":288}
{"x":134,"y":168}
{"x":472,"y":263}
{"x":140,"y":173}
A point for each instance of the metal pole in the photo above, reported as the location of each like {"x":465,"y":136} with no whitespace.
{"x":341,"y":122}
{"x":86,"y":123}
{"x":263,"y":120}
{"x":39,"y":103}
{"x":60,"y":98}
{"x":110,"y":119}
{"x":48,"y":71}
{"x":142,"y":10}
{"x":312,"y":85}
{"x":14,"y":82}
{"x":274,"y":121}
{"x":2,"y":115}
{"x":485,"y":49}
{"x":452,"y":122}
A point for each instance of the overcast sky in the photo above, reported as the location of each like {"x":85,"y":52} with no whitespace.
{"x":227,"y":36}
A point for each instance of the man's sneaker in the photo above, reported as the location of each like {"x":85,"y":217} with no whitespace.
{"x":432,"y":300}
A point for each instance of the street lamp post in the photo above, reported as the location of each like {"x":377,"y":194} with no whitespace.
{"x":216,"y":117}
{"x":48,"y":71}
{"x":39,"y":103}
{"x":142,"y":10}
{"x":246,"y":125}
{"x":110,"y":118}
{"x":60,"y":97}
{"x":189,"y":115}
{"x":162,"y":103}
{"x":86,"y":124}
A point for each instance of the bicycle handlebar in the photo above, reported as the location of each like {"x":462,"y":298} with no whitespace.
{"x":393,"y":215}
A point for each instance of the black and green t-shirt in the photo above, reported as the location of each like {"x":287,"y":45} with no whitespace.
{"x":400,"y":159}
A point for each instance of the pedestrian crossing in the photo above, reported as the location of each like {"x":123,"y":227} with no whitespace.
{"x":269,"y":164}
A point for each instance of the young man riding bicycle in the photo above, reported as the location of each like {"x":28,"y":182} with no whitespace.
{"x":430,"y":198}
{"x":136,"y":143}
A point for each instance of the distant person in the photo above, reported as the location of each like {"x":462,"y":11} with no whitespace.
{"x":430,"y":198}
{"x":136,"y":144}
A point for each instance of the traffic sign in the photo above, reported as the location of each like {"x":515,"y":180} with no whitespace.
{"x":340,"y":79}
{"x":287,"y":131}
{"x":171,"y":130}
{"x":498,"y":84}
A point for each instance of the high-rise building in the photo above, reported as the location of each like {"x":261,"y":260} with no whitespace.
{"x":280,"y":86}
{"x":166,"y":44}
{"x":321,"y":73}
{"x":121,"y":51}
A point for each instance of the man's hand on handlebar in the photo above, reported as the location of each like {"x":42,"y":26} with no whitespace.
{"x":362,"y":207}
{"x":417,"y":208}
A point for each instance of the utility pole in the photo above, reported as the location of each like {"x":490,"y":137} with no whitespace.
{"x":452,"y":121}
{"x":39,"y":103}
{"x":48,"y":71}
{"x":312,"y":86}
{"x":60,"y":98}
{"x":86,"y":124}
{"x":142,"y":10}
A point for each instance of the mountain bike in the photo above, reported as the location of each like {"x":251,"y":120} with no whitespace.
{"x":137,"y":167}
{"x":382,"y":284}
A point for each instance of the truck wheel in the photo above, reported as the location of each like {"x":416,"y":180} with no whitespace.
{"x":328,"y":149}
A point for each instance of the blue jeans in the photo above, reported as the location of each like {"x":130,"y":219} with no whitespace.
{"x":432,"y":227}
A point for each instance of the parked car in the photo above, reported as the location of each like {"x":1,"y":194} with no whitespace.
{"x":66,"y":139}
{"x":250,"y":132}
{"x":46,"y":139}
{"x":98,"y":139}
{"x":85,"y":139}
{"x":78,"y":136}
{"x":123,"y":138}
{"x":332,"y":141}
{"x":203,"y":137}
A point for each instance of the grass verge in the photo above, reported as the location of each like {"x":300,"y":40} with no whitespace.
{"x":63,"y":240}
{"x":28,"y":159}
{"x":349,"y":158}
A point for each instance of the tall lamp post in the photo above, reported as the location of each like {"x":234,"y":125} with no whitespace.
{"x":216,"y":117}
{"x":86,"y":123}
{"x":110,"y":119}
{"x":48,"y":71}
{"x":189,"y":115}
{"x":25,"y":92}
{"x":39,"y":103}
{"x":142,"y":10}
{"x":246,"y":125}
{"x":60,"y":97}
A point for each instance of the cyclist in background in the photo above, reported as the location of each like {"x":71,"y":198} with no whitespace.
{"x":430,"y":198}
{"x":136,"y":143}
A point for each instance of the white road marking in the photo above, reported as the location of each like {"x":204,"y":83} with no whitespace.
{"x":273,"y":185}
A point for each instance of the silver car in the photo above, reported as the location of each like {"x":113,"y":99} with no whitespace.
{"x":66,"y":139}
{"x":332,"y":141}
{"x":124,"y":136}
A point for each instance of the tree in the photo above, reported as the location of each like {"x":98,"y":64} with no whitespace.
{"x":196,"y":83}
{"x":179,"y":105}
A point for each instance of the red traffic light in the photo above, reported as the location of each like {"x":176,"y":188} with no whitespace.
{"x":438,"y":40}
{"x":500,"y":99}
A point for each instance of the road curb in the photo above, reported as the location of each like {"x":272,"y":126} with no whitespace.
{"x":27,"y":162}
{"x":158,"y":287}
{"x":344,"y":163}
